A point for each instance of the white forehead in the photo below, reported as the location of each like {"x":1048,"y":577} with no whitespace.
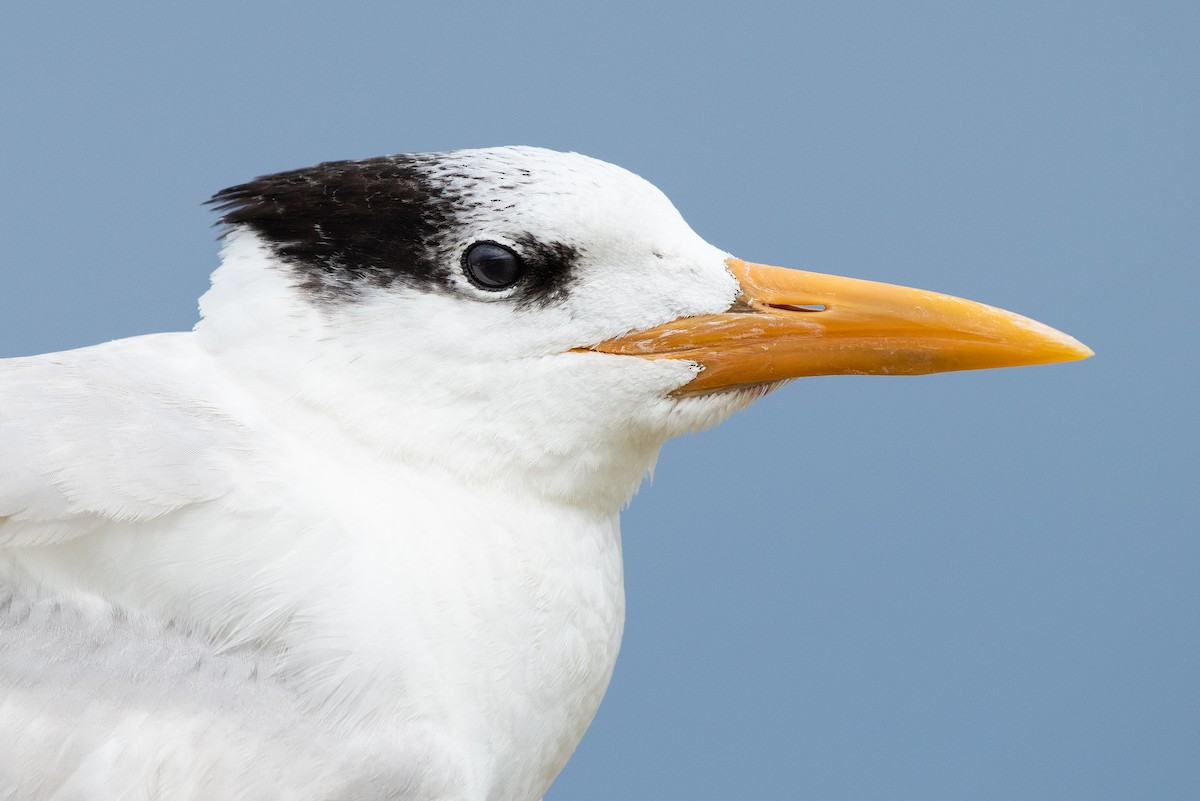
{"x":639,"y":263}
{"x":567,"y":196}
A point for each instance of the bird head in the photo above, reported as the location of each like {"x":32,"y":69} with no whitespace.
{"x":524,"y":315}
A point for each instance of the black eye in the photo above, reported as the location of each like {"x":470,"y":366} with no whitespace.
{"x":492,"y":266}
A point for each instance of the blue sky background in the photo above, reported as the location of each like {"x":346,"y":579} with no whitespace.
{"x":968,"y":586}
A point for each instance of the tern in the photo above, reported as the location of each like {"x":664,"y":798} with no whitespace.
{"x":355,"y":536}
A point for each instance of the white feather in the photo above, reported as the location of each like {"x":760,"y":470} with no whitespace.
{"x":358,"y":550}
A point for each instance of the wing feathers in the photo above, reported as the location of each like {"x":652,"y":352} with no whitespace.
{"x":123,"y":431}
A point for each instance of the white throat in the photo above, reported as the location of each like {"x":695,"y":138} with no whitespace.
{"x":578,"y":428}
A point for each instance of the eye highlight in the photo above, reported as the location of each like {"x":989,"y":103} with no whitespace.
{"x":491,"y":266}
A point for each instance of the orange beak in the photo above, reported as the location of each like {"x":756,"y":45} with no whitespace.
{"x":792,"y":323}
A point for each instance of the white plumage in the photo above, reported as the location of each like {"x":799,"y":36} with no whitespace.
{"x":356,"y":535}
{"x":313,"y":548}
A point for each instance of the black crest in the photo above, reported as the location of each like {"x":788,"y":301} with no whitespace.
{"x":343,"y":225}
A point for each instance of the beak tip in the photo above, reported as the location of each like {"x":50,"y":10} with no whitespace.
{"x":1051,"y":344}
{"x":1067,"y":348}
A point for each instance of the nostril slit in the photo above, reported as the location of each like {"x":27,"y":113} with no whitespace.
{"x":800,"y":307}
